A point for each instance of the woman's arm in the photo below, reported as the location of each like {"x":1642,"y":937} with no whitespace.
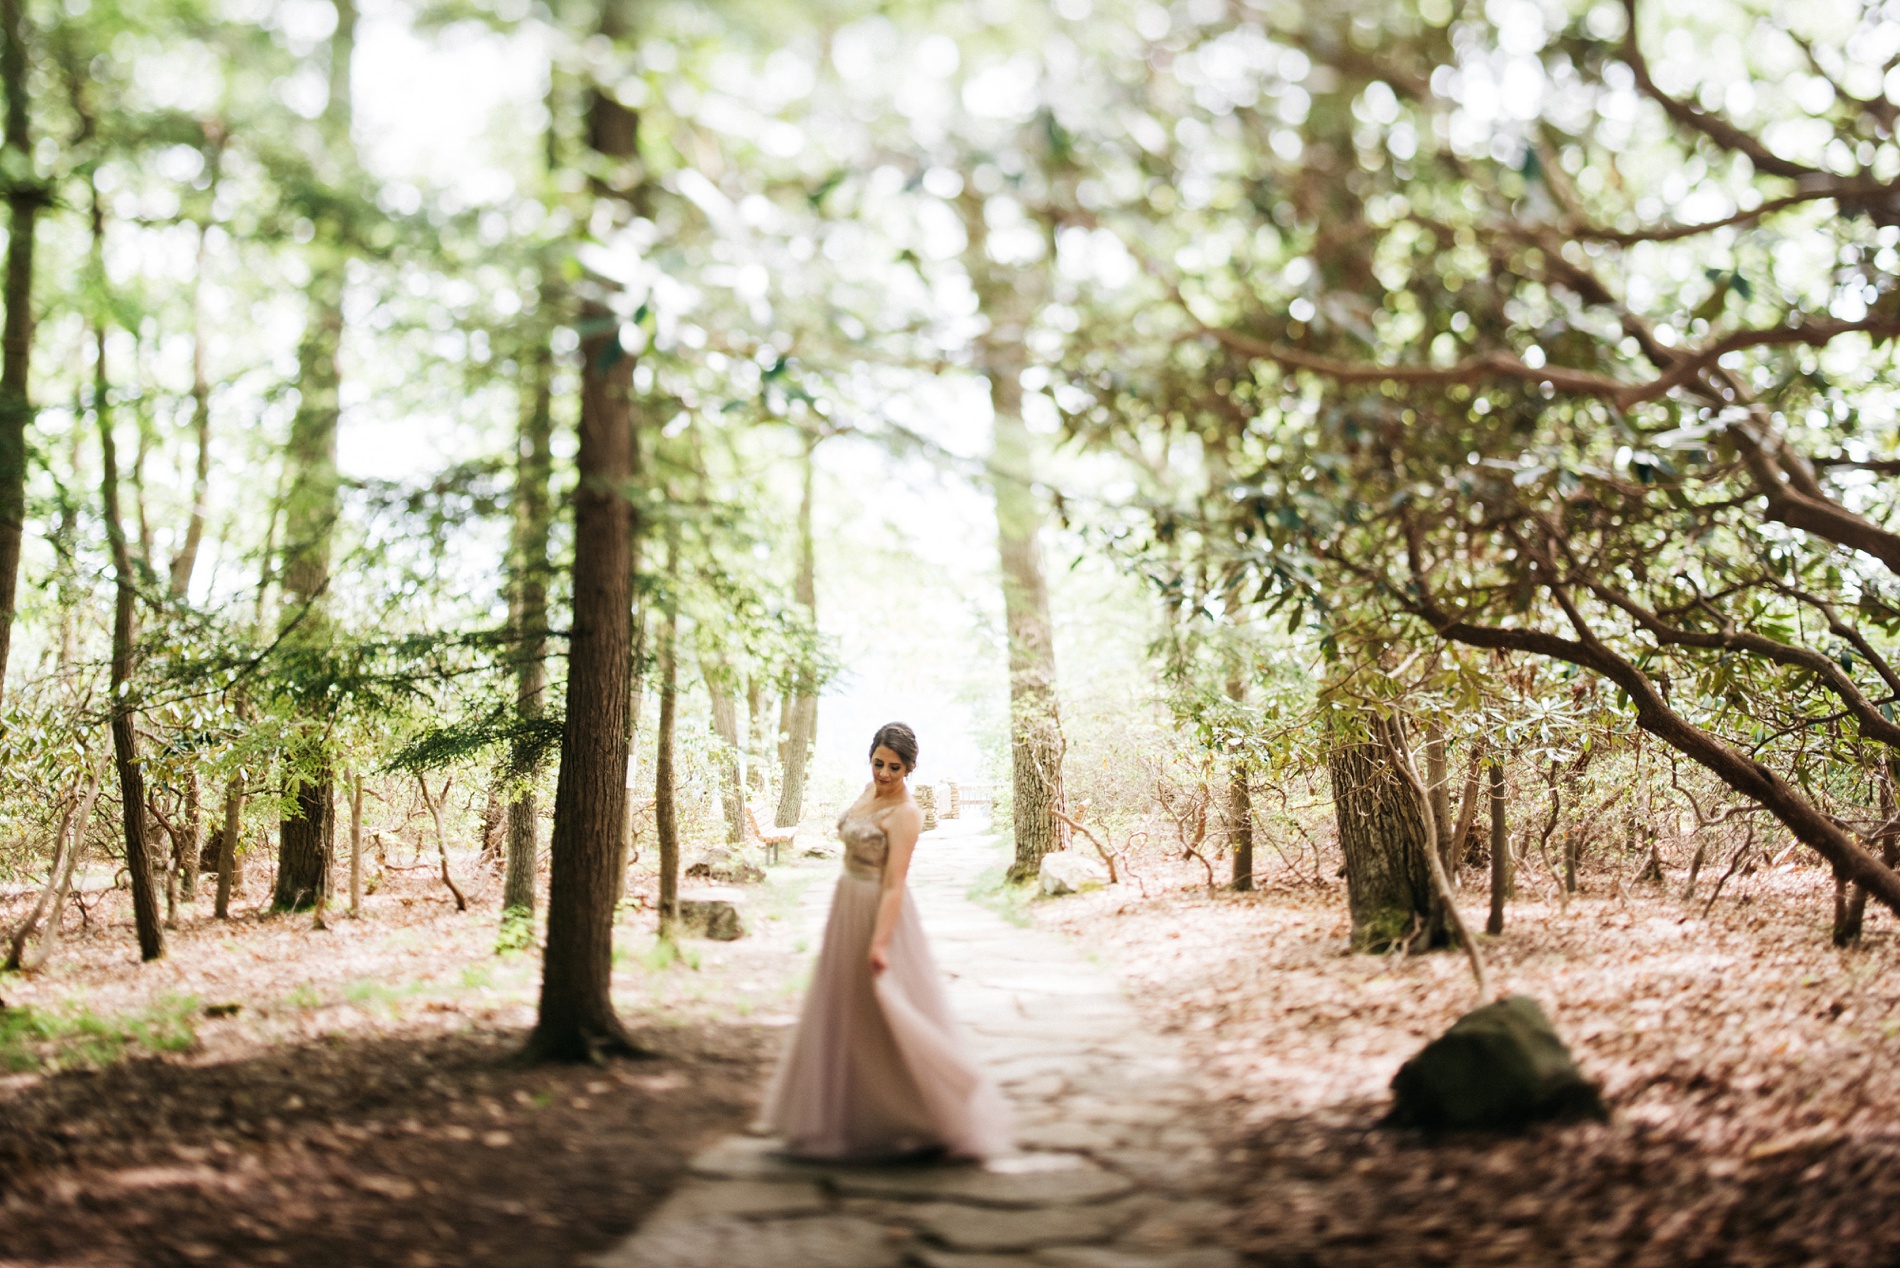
{"x":900,"y":830}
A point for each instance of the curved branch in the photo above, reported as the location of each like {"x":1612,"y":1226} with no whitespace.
{"x":1709,"y":124}
{"x":1677,"y":232}
{"x":1743,"y":774}
{"x":1684,"y":368}
{"x":1864,"y":711}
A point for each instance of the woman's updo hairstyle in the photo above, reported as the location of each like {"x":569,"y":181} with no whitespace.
{"x":900,"y":740}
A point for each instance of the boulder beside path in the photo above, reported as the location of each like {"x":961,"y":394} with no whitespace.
{"x":1501,"y":1067}
{"x":1070,"y":872}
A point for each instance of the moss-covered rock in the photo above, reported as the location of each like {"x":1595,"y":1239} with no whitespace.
{"x":1499,"y":1068}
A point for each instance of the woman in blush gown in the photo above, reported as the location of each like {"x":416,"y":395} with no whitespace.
{"x":877,"y":1067}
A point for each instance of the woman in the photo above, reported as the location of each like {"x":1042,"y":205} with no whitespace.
{"x":876,"y":1068}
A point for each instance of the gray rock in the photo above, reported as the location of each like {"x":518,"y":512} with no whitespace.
{"x":833,"y":1241}
{"x":713,"y":918}
{"x":754,"y":1158}
{"x":729,"y":867}
{"x":1111,"y":1257}
{"x":988,"y":1188}
{"x":1499,"y":1068}
{"x":980,"y":1228}
{"x":1070,"y":872}
{"x":742,"y":1199}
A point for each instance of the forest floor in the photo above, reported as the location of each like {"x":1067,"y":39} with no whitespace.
{"x":1752,"y":1071}
{"x":274,"y":1093}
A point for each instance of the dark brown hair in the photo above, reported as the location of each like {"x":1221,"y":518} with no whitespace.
{"x":900,"y":740}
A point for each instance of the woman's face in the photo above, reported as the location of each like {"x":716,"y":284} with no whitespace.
{"x":887,"y":769}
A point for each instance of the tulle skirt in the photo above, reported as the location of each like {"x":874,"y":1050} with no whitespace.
{"x":877,"y":1067}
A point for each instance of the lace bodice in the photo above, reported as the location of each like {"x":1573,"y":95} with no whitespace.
{"x":865,"y":845}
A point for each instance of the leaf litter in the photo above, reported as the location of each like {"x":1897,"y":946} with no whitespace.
{"x":271,"y":1093}
{"x":1750,"y":1068}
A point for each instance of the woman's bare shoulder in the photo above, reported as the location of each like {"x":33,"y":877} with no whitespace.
{"x":909,"y":815}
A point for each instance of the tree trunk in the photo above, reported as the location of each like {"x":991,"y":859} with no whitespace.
{"x":60,"y":886}
{"x":193,"y":845}
{"x":1035,"y":724}
{"x":758,"y":756}
{"x":67,"y":842}
{"x":185,"y":562}
{"x":434,"y":807}
{"x":125,"y":744}
{"x":24,"y":200}
{"x":356,"y":844}
{"x":313,"y":504}
{"x":576,"y":1020}
{"x":303,"y":862}
{"x":665,"y":812}
{"x":1437,"y":778}
{"x":228,"y":843}
{"x":1240,"y":802}
{"x":799,"y":728}
{"x":725,"y":719}
{"x":1500,"y":852}
{"x":1452,"y":846}
{"x":1848,"y":922}
{"x":1383,"y":838}
{"x":529,"y":594}
{"x":1005,"y":297}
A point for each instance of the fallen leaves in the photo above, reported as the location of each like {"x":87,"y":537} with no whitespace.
{"x":1750,"y":1067}
{"x":356,"y":1086}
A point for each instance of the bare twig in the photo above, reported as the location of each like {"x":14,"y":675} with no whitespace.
{"x":441,"y":841}
{"x":1437,"y":865}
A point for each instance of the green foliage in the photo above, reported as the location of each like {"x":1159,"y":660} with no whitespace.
{"x":517,"y":931}
{"x":75,"y":1037}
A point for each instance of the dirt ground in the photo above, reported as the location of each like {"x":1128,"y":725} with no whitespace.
{"x":272,"y":1093}
{"x":360,"y":1103}
{"x":1750,"y":1068}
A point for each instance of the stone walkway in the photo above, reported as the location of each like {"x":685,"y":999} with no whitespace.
{"x":1111,"y":1171}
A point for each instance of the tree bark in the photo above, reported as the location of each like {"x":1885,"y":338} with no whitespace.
{"x":434,"y":807}
{"x":185,"y":562}
{"x":356,"y":844}
{"x":303,"y":859}
{"x":193,"y":845}
{"x":24,"y":200}
{"x":577,"y":1021}
{"x":1848,"y":923}
{"x":68,"y":841}
{"x":1437,"y":778}
{"x":228,"y":843}
{"x":313,"y":504}
{"x":725,"y":719}
{"x":799,"y":724}
{"x":757,"y":732}
{"x":665,"y":812}
{"x":1036,"y":741}
{"x":1382,"y":835}
{"x":1240,"y":802}
{"x":534,"y":467}
{"x":17,"y":957}
{"x":1500,"y":852}
{"x":125,"y":744}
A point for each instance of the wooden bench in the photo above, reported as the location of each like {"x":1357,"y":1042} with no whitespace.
{"x":770,"y":840}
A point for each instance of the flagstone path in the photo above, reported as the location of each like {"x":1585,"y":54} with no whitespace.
{"x":1111,"y":1169}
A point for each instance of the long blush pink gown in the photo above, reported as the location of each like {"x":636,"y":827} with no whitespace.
{"x":877,"y":1067}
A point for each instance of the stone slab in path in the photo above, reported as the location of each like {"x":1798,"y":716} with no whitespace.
{"x":1112,"y":1170}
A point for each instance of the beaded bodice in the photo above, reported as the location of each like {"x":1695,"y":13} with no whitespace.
{"x":865,"y":845}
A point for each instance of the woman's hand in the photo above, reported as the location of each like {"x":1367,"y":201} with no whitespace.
{"x":880,"y":960}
